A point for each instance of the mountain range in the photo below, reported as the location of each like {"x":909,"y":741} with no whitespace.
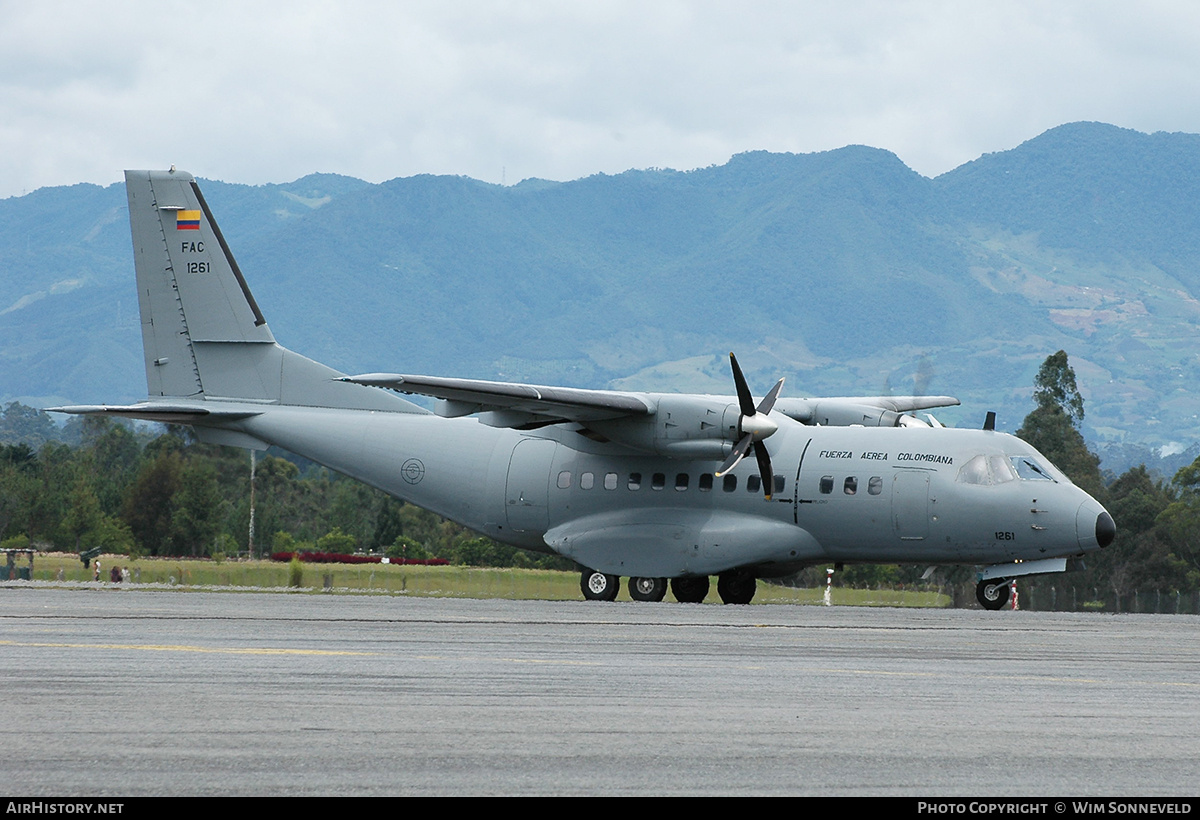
{"x":845,"y":271}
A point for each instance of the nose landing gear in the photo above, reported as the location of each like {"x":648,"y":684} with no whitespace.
{"x":993,"y":593}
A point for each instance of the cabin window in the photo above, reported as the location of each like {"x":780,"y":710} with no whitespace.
{"x":729,"y":483}
{"x":635,"y":481}
{"x":706,"y":481}
{"x":564,"y":479}
{"x":875,"y":485}
{"x":780,"y":481}
{"x":753,"y":484}
{"x":681,"y":482}
{"x":610,"y":481}
{"x":850,"y":485}
{"x":658,"y":481}
{"x":586,"y":481}
{"x":826,"y":485}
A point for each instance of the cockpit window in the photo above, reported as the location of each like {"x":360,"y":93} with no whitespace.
{"x":975,"y":471}
{"x":1030,"y":470}
{"x":1002,"y":470}
{"x":987,"y":470}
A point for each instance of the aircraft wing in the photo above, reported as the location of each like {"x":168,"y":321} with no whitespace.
{"x":906,"y":404}
{"x":165,"y":412}
{"x":525,"y":406}
{"x":512,"y":404}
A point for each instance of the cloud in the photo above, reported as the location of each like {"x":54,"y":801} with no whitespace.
{"x":270,"y":91}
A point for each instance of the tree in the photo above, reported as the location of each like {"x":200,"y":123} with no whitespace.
{"x":148,"y":502}
{"x":196,"y":508}
{"x":83,"y":515}
{"x":19,"y":487}
{"x":1052,"y":427}
{"x":1176,"y":562}
{"x":19,"y":423}
{"x":1055,"y":389}
{"x":1136,"y":557}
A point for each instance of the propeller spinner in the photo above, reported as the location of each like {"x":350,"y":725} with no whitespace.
{"x":753,"y":427}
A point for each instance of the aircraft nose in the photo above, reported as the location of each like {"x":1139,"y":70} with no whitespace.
{"x":1094,"y":526}
{"x":1106,"y":529}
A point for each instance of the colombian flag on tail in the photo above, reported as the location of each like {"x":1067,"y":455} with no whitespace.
{"x":187,"y":220}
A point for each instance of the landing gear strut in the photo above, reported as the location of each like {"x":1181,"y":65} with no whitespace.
{"x":597,"y":586}
{"x":993,"y":593}
{"x":736,"y":586}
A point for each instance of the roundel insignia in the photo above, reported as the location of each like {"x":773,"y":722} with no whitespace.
{"x":412,"y":471}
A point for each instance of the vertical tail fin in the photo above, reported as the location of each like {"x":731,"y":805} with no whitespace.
{"x":190,"y":291}
{"x":203,"y":334}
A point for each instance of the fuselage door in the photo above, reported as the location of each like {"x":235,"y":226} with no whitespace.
{"x":528,"y":489}
{"x":796,"y":500}
{"x":910,"y":504}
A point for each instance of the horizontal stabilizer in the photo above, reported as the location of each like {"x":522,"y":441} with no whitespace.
{"x":167,"y":413}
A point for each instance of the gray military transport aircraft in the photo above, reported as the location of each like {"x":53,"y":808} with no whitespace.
{"x":643,"y":485}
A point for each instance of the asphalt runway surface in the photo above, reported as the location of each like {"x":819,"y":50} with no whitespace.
{"x":126,"y":693}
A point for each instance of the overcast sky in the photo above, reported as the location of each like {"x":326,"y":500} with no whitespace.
{"x":267,"y":92}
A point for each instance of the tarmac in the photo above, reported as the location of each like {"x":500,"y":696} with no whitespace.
{"x":126,"y":692}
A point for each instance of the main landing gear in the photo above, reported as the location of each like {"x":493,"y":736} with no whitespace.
{"x":597,"y":586}
{"x":993,"y":593}
{"x":735,"y":587}
{"x":690,"y":590}
{"x":647,"y":589}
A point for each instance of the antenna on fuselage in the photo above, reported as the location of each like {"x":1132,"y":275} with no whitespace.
{"x":989,"y":421}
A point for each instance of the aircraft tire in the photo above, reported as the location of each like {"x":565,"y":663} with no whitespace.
{"x":993,"y":594}
{"x":597,"y":586}
{"x":690,"y":590}
{"x":736,"y":586}
{"x":647,"y":589}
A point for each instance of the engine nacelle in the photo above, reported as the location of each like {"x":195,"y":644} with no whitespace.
{"x":681,"y":427}
{"x":838,"y":413}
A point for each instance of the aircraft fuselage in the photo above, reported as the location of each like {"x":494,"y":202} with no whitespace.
{"x":853,"y":494}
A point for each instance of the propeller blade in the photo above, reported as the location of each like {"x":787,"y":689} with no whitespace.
{"x":768,"y":401}
{"x":754,"y":426}
{"x":745,"y":400}
{"x":764,"y":469}
{"x":739,"y":452}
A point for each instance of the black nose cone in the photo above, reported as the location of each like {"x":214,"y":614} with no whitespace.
{"x":1106,"y":529}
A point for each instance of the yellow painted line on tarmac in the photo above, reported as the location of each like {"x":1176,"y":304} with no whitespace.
{"x":549,"y":661}
{"x":184,"y":648}
{"x":1024,"y":678}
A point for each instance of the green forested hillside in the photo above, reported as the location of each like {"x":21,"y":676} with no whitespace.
{"x":845,"y":271}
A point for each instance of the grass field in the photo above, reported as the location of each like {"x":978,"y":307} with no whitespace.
{"x":441,"y":581}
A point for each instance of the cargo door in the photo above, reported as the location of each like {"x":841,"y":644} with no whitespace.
{"x":527,"y":491}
